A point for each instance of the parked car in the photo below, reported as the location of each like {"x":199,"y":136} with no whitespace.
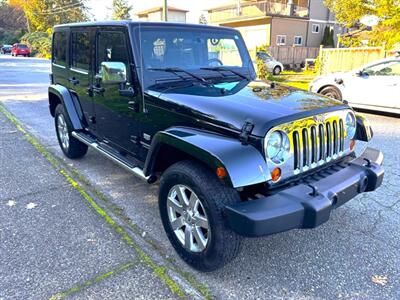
{"x":375,"y":86}
{"x":234,"y":157}
{"x":272,"y":65}
{"x":20,"y":49}
{"x":5,"y":49}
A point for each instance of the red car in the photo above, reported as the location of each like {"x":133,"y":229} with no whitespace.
{"x":20,"y":49}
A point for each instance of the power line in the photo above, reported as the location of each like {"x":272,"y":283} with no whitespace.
{"x":62,"y":7}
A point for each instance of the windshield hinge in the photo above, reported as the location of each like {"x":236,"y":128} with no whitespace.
{"x":247,"y":128}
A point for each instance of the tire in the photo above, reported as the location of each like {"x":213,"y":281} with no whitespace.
{"x":71,"y":147}
{"x":277,"y":70}
{"x":331,"y":92}
{"x":222,"y":244}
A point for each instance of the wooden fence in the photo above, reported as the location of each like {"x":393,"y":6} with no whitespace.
{"x":289,"y":55}
{"x":345,"y":59}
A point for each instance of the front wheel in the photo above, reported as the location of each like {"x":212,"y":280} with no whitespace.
{"x":191,"y":202}
{"x":71,"y":147}
{"x":277,"y":70}
{"x":331,"y":92}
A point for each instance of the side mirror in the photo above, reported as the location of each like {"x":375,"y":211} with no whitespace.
{"x":113,"y":72}
{"x":360,"y":73}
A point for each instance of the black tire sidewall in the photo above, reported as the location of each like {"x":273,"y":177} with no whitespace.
{"x":332,"y":90}
{"x":211,"y":257}
{"x":277,"y":70}
{"x":76,"y":149}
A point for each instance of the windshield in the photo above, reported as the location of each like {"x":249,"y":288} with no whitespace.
{"x":191,"y":49}
{"x":22,"y":46}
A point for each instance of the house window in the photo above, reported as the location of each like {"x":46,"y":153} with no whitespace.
{"x":298,"y":40}
{"x":315,"y":28}
{"x":281,"y":40}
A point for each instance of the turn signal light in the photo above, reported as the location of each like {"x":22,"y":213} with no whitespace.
{"x":221,"y":172}
{"x":276,"y":174}
{"x":352,"y":144}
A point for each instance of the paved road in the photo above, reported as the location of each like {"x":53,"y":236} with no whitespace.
{"x":51,"y":240}
{"x":339,"y":259}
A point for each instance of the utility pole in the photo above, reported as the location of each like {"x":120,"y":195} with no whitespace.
{"x":165,"y":11}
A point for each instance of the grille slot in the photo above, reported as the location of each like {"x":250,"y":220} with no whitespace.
{"x":318,"y":144}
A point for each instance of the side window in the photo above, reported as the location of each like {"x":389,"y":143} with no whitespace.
{"x":390,"y":68}
{"x":59,"y":55}
{"x":111,"y":46}
{"x":281,"y":40}
{"x":80,"y":50}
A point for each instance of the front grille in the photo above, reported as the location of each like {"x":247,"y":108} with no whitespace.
{"x":317,"y":144}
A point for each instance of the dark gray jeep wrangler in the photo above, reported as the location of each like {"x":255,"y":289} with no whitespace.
{"x":235,"y":157}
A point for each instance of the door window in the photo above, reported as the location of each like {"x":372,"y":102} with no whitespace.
{"x":111,"y":46}
{"x":59,"y":54}
{"x":80,"y":50}
{"x":390,"y":68}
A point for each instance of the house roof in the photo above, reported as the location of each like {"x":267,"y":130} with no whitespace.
{"x":144,"y":13}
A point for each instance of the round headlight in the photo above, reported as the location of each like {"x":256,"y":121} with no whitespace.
{"x":351,"y":125}
{"x":277,"y":147}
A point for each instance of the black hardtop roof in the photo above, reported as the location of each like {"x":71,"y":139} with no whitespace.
{"x":127,"y":23}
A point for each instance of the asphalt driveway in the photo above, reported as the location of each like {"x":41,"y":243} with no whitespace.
{"x":355,"y":255}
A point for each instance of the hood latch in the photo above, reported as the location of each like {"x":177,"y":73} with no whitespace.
{"x":247,"y":128}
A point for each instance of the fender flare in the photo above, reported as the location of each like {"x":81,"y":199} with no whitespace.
{"x":244,"y":164}
{"x":363,"y":129}
{"x":70,"y":103}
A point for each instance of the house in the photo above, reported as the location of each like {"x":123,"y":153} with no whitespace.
{"x":156,"y":14}
{"x":276,"y":22}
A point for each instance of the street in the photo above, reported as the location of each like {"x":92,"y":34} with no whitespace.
{"x":354,"y":255}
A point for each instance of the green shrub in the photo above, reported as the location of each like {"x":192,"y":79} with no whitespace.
{"x":262,"y":71}
{"x":39,"y":42}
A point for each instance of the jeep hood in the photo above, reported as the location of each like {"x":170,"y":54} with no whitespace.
{"x":231,"y":104}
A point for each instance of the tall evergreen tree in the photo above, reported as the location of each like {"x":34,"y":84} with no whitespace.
{"x":121,"y":10}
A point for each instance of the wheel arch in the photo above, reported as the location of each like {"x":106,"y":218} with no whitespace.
{"x":330,"y":85}
{"x":212,"y":150}
{"x":59,"y":94}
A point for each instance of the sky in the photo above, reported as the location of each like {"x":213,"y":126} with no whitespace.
{"x":101,"y":9}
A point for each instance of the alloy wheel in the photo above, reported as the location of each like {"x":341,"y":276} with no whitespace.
{"x":188,"y":218}
{"x":62,"y":130}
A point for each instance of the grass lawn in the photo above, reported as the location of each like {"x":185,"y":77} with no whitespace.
{"x":300,"y":80}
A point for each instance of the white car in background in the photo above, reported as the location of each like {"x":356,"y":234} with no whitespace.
{"x":272,"y":65}
{"x":376,"y":86}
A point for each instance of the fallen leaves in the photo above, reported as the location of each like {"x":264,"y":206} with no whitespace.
{"x":31,"y":205}
{"x":381,"y":280}
{"x":11,"y":203}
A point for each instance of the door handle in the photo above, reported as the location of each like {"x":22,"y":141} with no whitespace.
{"x":73,"y":80}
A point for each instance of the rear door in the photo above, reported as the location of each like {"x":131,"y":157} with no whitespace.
{"x":117,"y":115}
{"x":59,"y":57}
{"x":80,"y":72}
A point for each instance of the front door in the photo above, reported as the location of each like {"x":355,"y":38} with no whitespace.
{"x":116,"y":112}
{"x":377,"y":85}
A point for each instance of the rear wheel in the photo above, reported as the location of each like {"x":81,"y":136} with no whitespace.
{"x":71,"y":147}
{"x":191,"y":202}
{"x":277,"y":70}
{"x":331,"y":92}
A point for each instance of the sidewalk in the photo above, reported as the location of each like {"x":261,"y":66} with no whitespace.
{"x":52,"y":243}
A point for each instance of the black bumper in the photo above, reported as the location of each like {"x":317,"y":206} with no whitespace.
{"x":303,"y":206}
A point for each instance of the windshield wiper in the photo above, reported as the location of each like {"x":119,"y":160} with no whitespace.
{"x":219,"y":69}
{"x":179,"y":70}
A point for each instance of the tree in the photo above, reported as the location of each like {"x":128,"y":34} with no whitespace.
{"x":42,"y":15}
{"x":387,"y":32}
{"x":202,"y":19}
{"x":121,"y":10}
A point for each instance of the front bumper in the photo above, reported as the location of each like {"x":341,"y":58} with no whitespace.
{"x":307,"y":205}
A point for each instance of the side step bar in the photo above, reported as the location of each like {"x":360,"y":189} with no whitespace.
{"x":119,"y":159}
